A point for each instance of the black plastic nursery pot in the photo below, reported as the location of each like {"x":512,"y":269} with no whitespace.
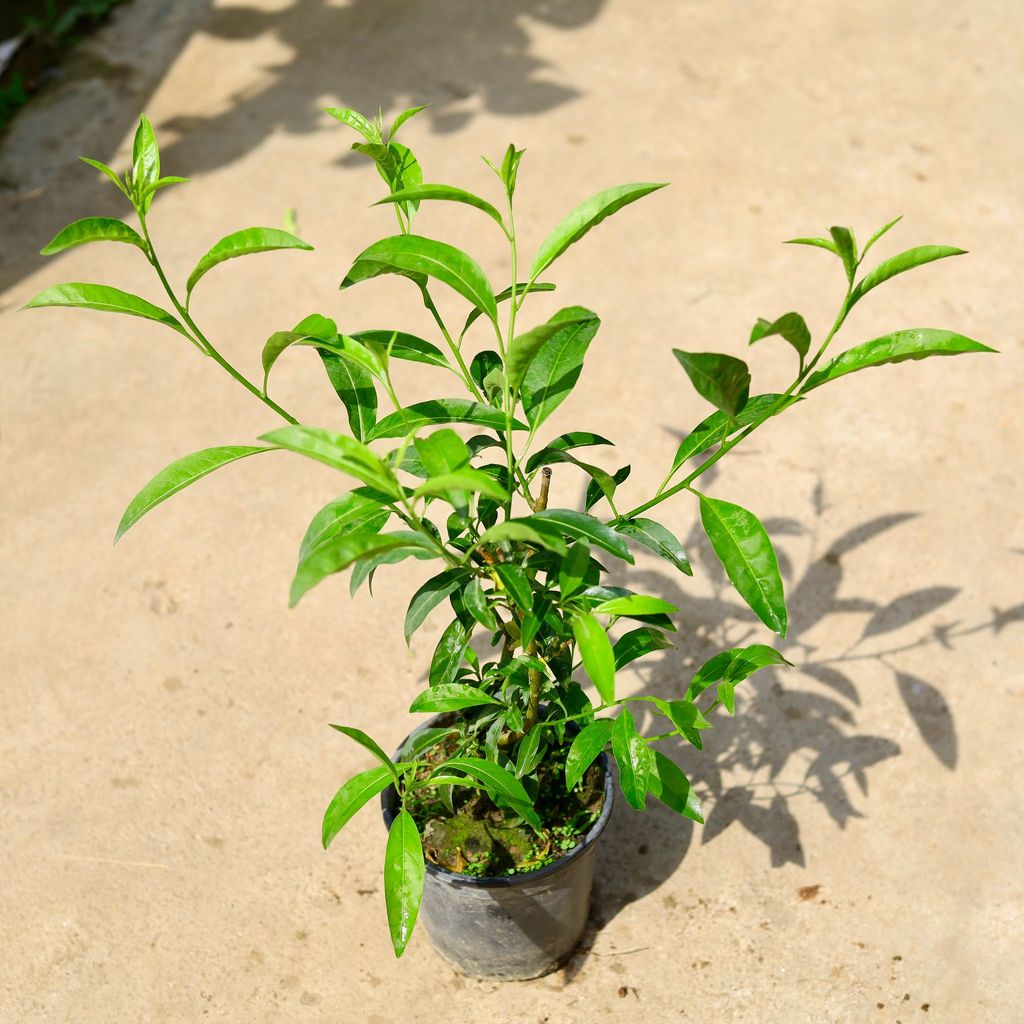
{"x":516,"y":927}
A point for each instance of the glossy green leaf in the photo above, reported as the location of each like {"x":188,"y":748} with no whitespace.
{"x":597,"y":655}
{"x":525,"y":347}
{"x":338,"y":451}
{"x":635,"y":604}
{"x":603,"y":485}
{"x":579,"y":524}
{"x":525,"y":531}
{"x":744,"y":549}
{"x":519,"y":290}
{"x":437,"y":411}
{"x":448,"y":654}
{"x":444,"y":192}
{"x":443,"y":451}
{"x":670,"y":785}
{"x":790,"y":327}
{"x":165,"y":182}
{"x":105,"y":299}
{"x":338,"y":553}
{"x":312,"y":328}
{"x":478,"y":606}
{"x":359,"y":790}
{"x":604,"y":481}
{"x":415,"y":546}
{"x":510,"y":169}
{"x":587,"y":215}
{"x":901,"y":263}
{"x":418,"y":257}
{"x":658,"y":539}
{"x":354,"y":386}
{"x":93,"y":229}
{"x":586,"y":747}
{"x":564,"y":443}
{"x":404,"y":116}
{"x":145,"y":161}
{"x":894,"y":348}
{"x":243,"y":243}
{"x":450,"y":697}
{"x":883,"y":230}
{"x":466,"y":480}
{"x":573,"y":570}
{"x":355,"y":120}
{"x":634,"y":758}
{"x":553,"y":372}
{"x":399,"y":345}
{"x":717,"y":427}
{"x":638,"y":643}
{"x":746,"y":661}
{"x":177,"y":476}
{"x":404,"y":869}
{"x":683,"y":714}
{"x":820,"y":243}
{"x":846,"y":247}
{"x":108,"y":171}
{"x":516,"y":585}
{"x":498,"y":781}
{"x":723,"y":380}
{"x":369,"y":744}
{"x":360,"y":509}
{"x":530,"y":752}
{"x":430,"y":595}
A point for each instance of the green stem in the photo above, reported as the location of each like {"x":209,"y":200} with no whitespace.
{"x":205,"y":344}
{"x":456,"y":352}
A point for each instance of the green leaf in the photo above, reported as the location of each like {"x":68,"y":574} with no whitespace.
{"x":177,"y":476}
{"x":596,"y":652}
{"x":525,"y":347}
{"x":605,"y":482}
{"x":371,"y":745}
{"x":429,"y":596}
{"x":578,"y":524}
{"x":450,"y":697}
{"x":525,"y":531}
{"x":573,"y":570}
{"x":723,"y":380}
{"x":900,"y":263}
{"x":727,"y":696}
{"x":403,"y":879}
{"x":638,"y":643}
{"x":418,"y":257}
{"x":354,"y":386}
{"x":497,"y":781}
{"x":448,"y":654}
{"x":440,"y":410}
{"x":659,"y":540}
{"x":820,"y":243}
{"x":404,"y":116}
{"x":93,"y":229}
{"x":553,"y":373}
{"x":476,"y":603}
{"x":586,"y":746}
{"x":635,"y":604}
{"x":442,"y":452}
{"x":108,"y":171}
{"x":339,"y":552}
{"x":683,"y":714}
{"x":530,"y":753}
{"x":399,"y":345}
{"x":444,"y":192}
{"x":355,"y":120}
{"x":339,"y":452}
{"x":790,"y":327}
{"x":105,"y":299}
{"x":717,"y":427}
{"x":312,"y":328}
{"x":145,"y":161}
{"x":520,"y":289}
{"x":710,"y":672}
{"x":878,"y":234}
{"x":634,"y":758}
{"x":171,"y":179}
{"x":744,"y":549}
{"x":242,"y":243}
{"x":587,"y":215}
{"x":846,"y":247}
{"x":894,"y":348}
{"x":748,"y":660}
{"x":360,"y":789}
{"x":564,"y":443}
{"x":670,"y":785}
{"x":415,"y":546}
{"x":461,"y":481}
{"x":360,"y":509}
{"x":516,"y":585}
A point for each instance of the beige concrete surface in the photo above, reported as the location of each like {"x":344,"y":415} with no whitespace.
{"x":164,"y":750}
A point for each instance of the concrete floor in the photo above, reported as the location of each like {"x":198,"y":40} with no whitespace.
{"x":164,"y":750}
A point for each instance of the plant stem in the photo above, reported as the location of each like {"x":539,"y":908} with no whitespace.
{"x":205,"y":344}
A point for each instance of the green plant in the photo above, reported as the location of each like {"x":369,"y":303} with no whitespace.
{"x":520,"y":732}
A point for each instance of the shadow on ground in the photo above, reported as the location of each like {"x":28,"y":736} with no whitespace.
{"x":795,"y":736}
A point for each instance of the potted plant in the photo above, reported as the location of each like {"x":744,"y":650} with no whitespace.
{"x":494,"y":804}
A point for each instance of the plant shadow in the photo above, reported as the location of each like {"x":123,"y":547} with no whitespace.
{"x":796,"y":734}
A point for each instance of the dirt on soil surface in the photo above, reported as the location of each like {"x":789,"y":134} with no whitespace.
{"x":166,"y":755}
